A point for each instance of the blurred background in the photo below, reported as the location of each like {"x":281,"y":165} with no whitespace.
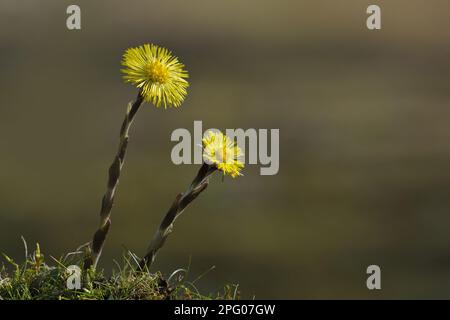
{"x":364,"y":140}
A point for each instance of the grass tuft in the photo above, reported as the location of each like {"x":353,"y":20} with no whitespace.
{"x":35,"y":279}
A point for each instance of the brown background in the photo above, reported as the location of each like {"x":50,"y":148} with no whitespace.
{"x":363,"y":119}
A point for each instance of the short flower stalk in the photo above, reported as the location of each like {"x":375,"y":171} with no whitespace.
{"x":220,"y":153}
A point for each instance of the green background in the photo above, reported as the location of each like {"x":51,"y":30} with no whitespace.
{"x":364,"y":140}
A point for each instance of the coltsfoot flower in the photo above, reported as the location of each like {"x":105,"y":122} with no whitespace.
{"x":223,"y":153}
{"x":158,"y":73}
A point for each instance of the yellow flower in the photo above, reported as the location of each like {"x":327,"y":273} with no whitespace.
{"x":158,"y":73}
{"x":220,"y":151}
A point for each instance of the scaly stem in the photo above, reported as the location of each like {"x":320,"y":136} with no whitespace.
{"x":181,"y":201}
{"x":113,"y":181}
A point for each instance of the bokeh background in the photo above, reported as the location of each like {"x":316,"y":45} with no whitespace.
{"x":364,"y":140}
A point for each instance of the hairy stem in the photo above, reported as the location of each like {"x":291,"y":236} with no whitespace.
{"x":180,"y":203}
{"x":113,"y":181}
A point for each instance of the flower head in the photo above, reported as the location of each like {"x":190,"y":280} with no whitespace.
{"x":158,"y":73}
{"x":222,"y":152}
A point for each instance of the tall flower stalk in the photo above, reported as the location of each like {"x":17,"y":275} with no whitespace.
{"x":160,"y":78}
{"x":113,"y":181}
{"x":219,"y":153}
